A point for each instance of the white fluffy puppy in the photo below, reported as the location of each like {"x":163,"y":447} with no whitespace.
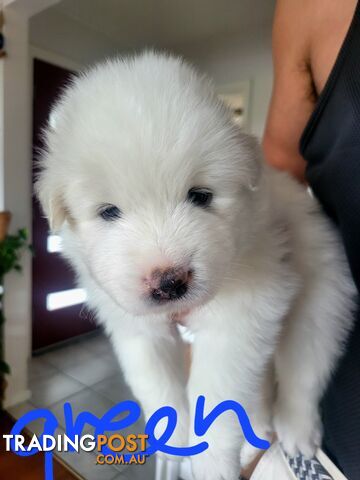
{"x":165,"y":208}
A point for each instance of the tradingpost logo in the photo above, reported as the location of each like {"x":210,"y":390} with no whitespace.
{"x":114,"y":448}
{"x":133,"y":444}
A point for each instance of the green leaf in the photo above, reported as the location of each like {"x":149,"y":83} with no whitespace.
{"x":10,"y":251}
{"x":23,"y":233}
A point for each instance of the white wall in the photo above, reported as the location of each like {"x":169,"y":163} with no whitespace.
{"x":228,"y":59}
{"x":246,"y":56}
{"x":61,"y":35}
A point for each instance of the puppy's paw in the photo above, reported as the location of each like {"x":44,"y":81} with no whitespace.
{"x":248,"y":453}
{"x":214,"y":466}
{"x":297,"y":431}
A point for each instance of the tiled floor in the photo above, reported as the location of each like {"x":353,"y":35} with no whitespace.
{"x":87,"y":375}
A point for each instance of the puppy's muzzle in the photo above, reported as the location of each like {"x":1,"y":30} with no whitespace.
{"x":170,"y":284}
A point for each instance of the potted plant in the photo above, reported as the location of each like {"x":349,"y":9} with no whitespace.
{"x":11,"y":247}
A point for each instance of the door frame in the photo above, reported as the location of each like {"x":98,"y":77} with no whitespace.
{"x":53,"y":58}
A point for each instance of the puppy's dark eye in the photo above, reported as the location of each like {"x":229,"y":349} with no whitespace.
{"x":201,"y":197}
{"x":109,"y":212}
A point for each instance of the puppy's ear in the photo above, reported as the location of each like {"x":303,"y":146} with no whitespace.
{"x":51,"y":201}
{"x":253,"y":158}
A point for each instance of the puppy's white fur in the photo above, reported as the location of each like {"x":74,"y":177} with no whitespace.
{"x":270,"y":289}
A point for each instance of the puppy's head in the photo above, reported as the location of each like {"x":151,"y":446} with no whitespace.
{"x":150,"y":180}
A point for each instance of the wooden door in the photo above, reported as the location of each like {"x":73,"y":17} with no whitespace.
{"x":52,"y":320}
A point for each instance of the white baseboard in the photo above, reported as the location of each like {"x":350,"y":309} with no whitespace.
{"x":20,"y":397}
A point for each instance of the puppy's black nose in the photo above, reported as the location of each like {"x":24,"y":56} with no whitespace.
{"x":172,"y":286}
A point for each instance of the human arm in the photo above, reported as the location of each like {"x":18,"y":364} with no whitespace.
{"x":293,"y":94}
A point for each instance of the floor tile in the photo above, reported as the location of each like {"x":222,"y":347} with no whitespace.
{"x":92,"y":371}
{"x":38,"y":368}
{"x":84,"y":463}
{"x":99,"y":344}
{"x":68,"y":356}
{"x":86,"y":400}
{"x":49,"y":390}
{"x":114,"y":388}
{"x":86,"y":374}
{"x":112,"y":360}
